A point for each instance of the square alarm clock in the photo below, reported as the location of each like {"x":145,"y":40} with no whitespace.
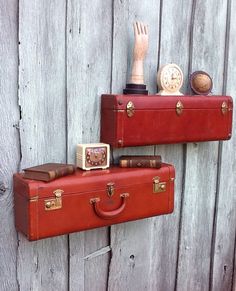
{"x":93,"y":156}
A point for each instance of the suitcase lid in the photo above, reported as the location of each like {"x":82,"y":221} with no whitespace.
{"x":153,"y":102}
{"x":91,"y":181}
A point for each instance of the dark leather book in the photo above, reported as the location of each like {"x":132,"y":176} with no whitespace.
{"x":48,"y":172}
{"x":140,"y":161}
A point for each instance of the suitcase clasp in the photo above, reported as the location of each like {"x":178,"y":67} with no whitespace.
{"x":54,"y":203}
{"x":130,"y":109}
{"x":179,"y":108}
{"x":158,"y":186}
{"x":224,"y":108}
{"x":110,"y":189}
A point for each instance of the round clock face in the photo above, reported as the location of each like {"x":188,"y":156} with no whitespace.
{"x":170,"y":78}
{"x":96,"y":156}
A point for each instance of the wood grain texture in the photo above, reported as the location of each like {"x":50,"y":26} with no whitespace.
{"x":234,"y":273}
{"x":125,"y":13}
{"x":224,"y":239}
{"x":9,"y":142}
{"x":207,"y":53}
{"x":130,"y":242}
{"x":42,"y":265}
{"x":89,"y":49}
{"x":70,"y":52}
{"x":165,"y":230}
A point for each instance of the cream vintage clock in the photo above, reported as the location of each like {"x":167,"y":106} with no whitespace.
{"x":169,"y":80}
{"x":93,"y":156}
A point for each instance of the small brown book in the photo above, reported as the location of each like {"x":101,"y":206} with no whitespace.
{"x":140,"y":161}
{"x":49,"y":172}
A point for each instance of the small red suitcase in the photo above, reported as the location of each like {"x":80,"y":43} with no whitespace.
{"x":130,"y":120}
{"x":91,"y":199}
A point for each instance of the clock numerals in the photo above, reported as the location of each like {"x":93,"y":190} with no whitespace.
{"x":93,"y":156}
{"x":96,"y":157}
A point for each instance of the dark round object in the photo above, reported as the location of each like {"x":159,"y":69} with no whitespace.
{"x":137,"y":89}
{"x":135,"y":86}
{"x":201,"y":83}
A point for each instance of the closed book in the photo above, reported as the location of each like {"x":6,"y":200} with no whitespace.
{"x":140,"y":161}
{"x":48,"y":172}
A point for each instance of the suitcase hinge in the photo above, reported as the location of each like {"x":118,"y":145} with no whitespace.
{"x":34,"y":199}
{"x":54,"y":203}
{"x":130,"y":109}
{"x":158,"y":186}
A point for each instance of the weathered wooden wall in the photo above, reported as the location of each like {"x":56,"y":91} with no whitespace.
{"x":56,"y":58}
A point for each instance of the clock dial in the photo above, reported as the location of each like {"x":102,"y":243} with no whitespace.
{"x":95,"y":156}
{"x":170,"y":79}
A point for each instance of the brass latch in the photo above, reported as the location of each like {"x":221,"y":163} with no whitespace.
{"x":54,"y":203}
{"x":110,"y":189}
{"x":130,"y":109}
{"x":224,"y":107}
{"x":179,"y":108}
{"x":158,"y":186}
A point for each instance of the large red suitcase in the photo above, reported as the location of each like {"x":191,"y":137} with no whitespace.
{"x":130,"y":120}
{"x":91,"y":199}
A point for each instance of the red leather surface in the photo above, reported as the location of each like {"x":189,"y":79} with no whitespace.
{"x":133,"y":199}
{"x":155,"y":120}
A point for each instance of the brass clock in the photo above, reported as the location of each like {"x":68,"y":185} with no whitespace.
{"x":169,"y":80}
{"x":93,"y":156}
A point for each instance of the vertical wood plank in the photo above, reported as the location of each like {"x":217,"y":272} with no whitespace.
{"x":207,"y":47}
{"x":42,"y":265}
{"x":223,"y":251}
{"x":234,"y":270}
{"x":89,"y":49}
{"x":174,"y":48}
{"x":9,"y":142}
{"x":124,"y":14}
{"x":130,"y":242}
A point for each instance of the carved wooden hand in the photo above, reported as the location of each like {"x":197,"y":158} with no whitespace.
{"x":139,"y":53}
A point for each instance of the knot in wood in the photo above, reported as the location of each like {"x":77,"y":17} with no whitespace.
{"x":3,"y":188}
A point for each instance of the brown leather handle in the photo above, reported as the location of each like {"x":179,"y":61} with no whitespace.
{"x":109,"y":214}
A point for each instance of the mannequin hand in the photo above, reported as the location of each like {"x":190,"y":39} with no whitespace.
{"x":141,"y":41}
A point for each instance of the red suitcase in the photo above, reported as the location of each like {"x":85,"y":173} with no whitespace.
{"x":91,"y":199}
{"x":129,"y":120}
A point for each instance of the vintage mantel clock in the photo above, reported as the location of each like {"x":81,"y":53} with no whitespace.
{"x":169,"y":80}
{"x":93,"y":156}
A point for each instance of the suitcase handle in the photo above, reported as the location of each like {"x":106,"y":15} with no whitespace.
{"x":109,"y":214}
